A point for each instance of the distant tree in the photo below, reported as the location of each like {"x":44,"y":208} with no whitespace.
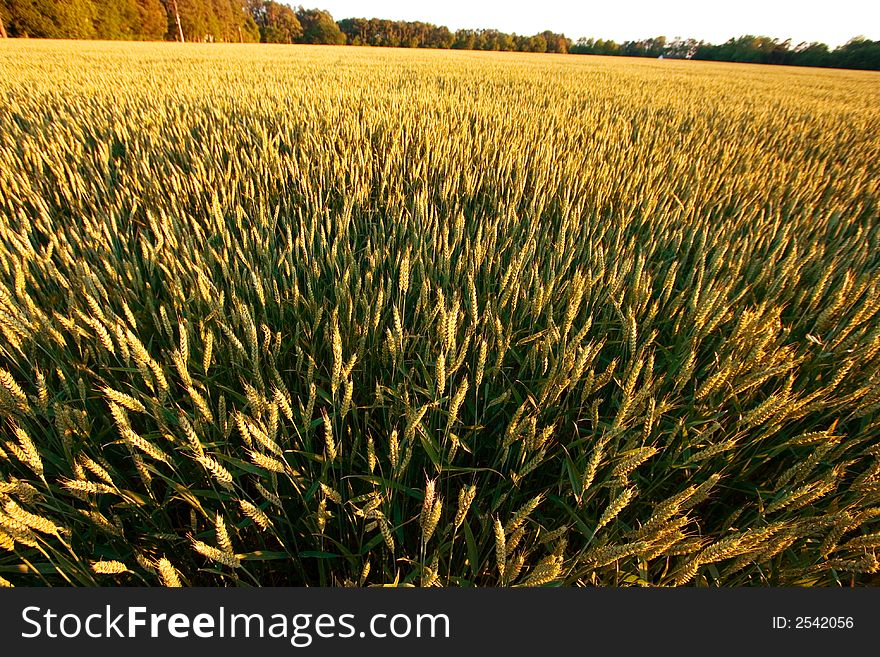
{"x":503,"y":42}
{"x":609,"y":47}
{"x":277,"y":23}
{"x":464,"y":40}
{"x":50,"y":19}
{"x":221,"y":20}
{"x":595,"y":47}
{"x":441,"y":37}
{"x":356,"y":30}
{"x":858,"y":52}
{"x":319,"y":27}
{"x":484,"y":40}
{"x":231,"y":21}
{"x":655,"y":47}
{"x":583,"y":46}
{"x":193,"y":16}
{"x":556,"y":42}
{"x":152,"y":20}
{"x":811,"y":54}
{"x":210,"y":20}
{"x":250,"y":32}
{"x":117,"y":20}
{"x":537,"y":43}
{"x":680,"y":48}
{"x":379,"y":32}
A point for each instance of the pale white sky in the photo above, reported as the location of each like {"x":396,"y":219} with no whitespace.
{"x":831,"y":21}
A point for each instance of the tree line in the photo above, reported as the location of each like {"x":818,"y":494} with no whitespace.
{"x":858,"y":53}
{"x":404,"y":34}
{"x":245,"y":21}
{"x":268,"y":21}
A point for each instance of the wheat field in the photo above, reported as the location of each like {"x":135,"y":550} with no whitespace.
{"x":355,"y":317}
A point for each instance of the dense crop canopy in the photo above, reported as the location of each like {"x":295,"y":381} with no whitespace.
{"x":336,"y":316}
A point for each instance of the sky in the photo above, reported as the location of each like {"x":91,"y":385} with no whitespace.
{"x":833,"y":22}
